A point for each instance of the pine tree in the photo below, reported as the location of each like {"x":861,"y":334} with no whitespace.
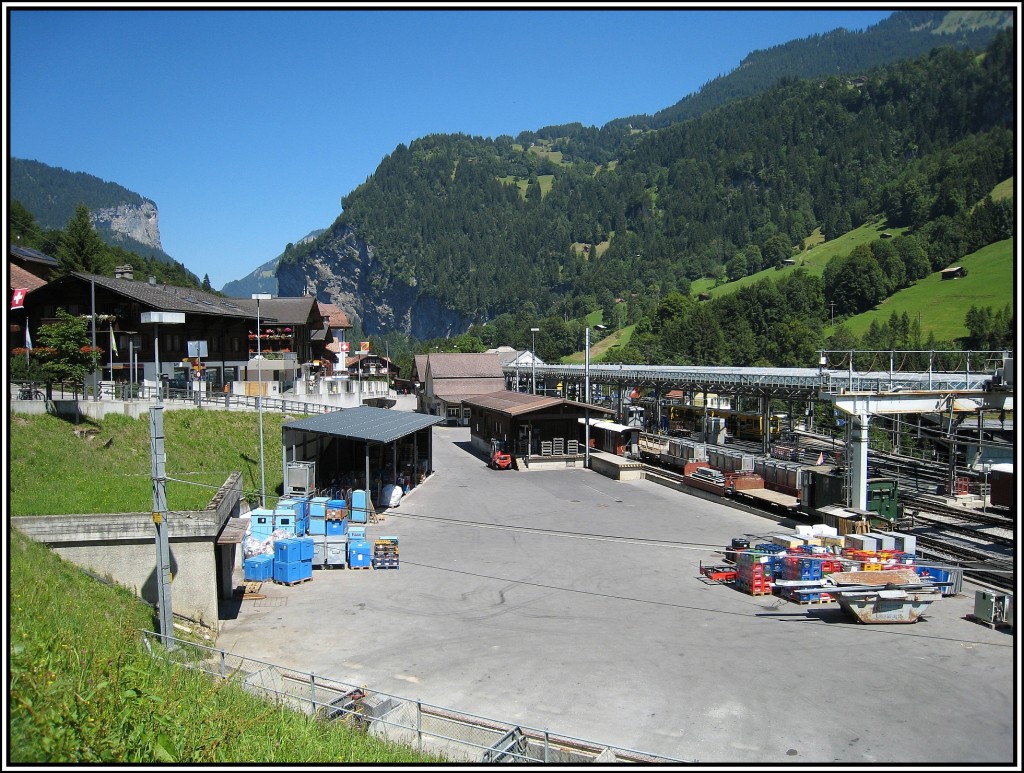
{"x":81,"y":248}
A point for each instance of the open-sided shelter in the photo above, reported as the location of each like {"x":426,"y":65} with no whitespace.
{"x":362,"y":447}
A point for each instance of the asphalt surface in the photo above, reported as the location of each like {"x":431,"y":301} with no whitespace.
{"x":564,"y":600}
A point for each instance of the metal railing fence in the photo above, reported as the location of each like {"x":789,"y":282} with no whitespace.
{"x":455,"y":736}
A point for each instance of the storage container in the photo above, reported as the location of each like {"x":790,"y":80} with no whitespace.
{"x":287,"y":550}
{"x":258,"y":567}
{"x":336,"y":527}
{"x":305,"y":548}
{"x":319,"y":552}
{"x":356,"y":532}
{"x":905,"y":543}
{"x":261,"y":523}
{"x":293,"y":571}
{"x":285,"y":521}
{"x":359,"y":554}
{"x":318,"y":507}
{"x":317,"y":525}
{"x":885,"y":541}
{"x":336,"y":552}
{"x":861,"y":542}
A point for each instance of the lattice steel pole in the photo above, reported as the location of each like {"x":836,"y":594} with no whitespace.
{"x":163,"y":553}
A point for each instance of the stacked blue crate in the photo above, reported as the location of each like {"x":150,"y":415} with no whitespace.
{"x":800,"y":568}
{"x":284,"y":519}
{"x":360,"y":506}
{"x":261,"y":523}
{"x":775,"y":554}
{"x":259,"y":567}
{"x":317,"y":515}
{"x":360,"y":554}
{"x":293,"y":559}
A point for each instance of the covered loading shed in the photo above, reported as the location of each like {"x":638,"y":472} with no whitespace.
{"x":362,"y":447}
{"x":537,"y":428}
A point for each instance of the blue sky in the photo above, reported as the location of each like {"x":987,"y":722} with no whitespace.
{"x":246,"y":127}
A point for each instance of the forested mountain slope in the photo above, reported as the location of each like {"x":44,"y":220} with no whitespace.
{"x":454,"y":229}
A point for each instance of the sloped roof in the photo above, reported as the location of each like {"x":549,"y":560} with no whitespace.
{"x":419,"y":366}
{"x":164,"y":297}
{"x":32,"y":256}
{"x":447,"y":365}
{"x":372,"y":425}
{"x":454,"y":389}
{"x":287,"y":311}
{"x":336,"y":318}
{"x":512,"y":403}
{"x":25,"y":279}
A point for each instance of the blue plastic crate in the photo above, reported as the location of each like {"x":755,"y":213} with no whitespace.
{"x":261,"y":523}
{"x":356,"y":533}
{"x":258,"y":567}
{"x":292,"y":571}
{"x":287,"y":550}
{"x":318,"y":507}
{"x":317,"y":525}
{"x":336,"y":504}
{"x":305,"y":548}
{"x":336,"y":526}
{"x":360,"y":506}
{"x":360,"y":553}
{"x":285,"y":521}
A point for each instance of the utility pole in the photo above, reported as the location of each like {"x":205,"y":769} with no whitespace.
{"x":163,"y":552}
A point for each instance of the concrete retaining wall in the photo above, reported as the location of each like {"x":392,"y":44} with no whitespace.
{"x":122,"y":547}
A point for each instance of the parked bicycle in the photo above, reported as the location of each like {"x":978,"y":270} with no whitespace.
{"x":30,"y":393}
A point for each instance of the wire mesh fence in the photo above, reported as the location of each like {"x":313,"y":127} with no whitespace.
{"x":453,"y":735}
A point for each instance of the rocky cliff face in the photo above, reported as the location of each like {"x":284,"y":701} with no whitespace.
{"x":140,"y":222}
{"x":343,"y":271}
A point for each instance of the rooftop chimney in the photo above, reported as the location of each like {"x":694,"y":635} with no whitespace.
{"x":124,"y":272}
{"x":152,"y":281}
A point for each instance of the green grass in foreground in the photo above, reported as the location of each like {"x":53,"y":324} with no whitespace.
{"x":82,"y":688}
{"x":53,"y":471}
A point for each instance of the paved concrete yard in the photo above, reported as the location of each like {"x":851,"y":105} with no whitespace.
{"x":568,"y":601}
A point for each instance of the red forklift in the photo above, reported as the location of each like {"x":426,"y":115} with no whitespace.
{"x":500,"y":458}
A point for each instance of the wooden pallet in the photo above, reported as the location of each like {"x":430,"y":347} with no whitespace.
{"x":293,"y":583}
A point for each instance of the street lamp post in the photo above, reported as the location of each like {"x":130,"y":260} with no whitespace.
{"x":533,"y":359}
{"x":259,"y":395}
{"x":586,"y":397}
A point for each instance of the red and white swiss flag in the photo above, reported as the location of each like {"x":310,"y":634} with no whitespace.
{"x":18,"y":298}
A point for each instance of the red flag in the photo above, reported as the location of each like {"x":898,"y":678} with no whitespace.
{"x":18,"y":299}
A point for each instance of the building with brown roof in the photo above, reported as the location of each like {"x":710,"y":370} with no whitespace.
{"x":449,"y":378}
{"x":227,"y":325}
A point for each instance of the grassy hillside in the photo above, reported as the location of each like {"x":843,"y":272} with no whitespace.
{"x":941,"y":304}
{"x":203,"y":447}
{"x":813,"y":258}
{"x":83,"y":689}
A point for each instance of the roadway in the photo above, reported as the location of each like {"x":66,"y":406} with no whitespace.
{"x":568,"y":601}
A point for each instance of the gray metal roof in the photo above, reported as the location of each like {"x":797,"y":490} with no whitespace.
{"x":798,"y":382}
{"x":373,"y":425}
